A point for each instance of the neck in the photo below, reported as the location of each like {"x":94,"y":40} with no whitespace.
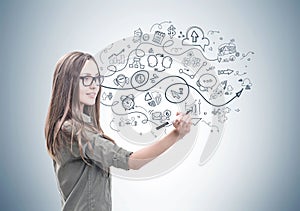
{"x":81,"y":107}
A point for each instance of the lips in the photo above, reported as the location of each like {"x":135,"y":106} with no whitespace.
{"x":91,"y":94}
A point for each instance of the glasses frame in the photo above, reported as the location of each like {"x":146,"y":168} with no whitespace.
{"x":94,"y":79}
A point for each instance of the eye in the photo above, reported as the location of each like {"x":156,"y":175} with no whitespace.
{"x":87,"y":80}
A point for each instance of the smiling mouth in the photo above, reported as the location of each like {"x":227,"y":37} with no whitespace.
{"x":92,"y":95}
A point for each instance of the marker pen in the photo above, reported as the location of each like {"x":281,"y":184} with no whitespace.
{"x":166,"y":123}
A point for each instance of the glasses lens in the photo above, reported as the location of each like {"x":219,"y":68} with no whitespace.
{"x":87,"y":80}
{"x":98,"y":80}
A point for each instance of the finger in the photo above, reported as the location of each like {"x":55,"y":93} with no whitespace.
{"x":189,"y":125}
{"x":186,"y":118}
{"x":189,"y":119}
{"x":176,"y":123}
{"x":179,"y":117}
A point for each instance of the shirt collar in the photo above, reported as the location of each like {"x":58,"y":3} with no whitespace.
{"x":86,"y":118}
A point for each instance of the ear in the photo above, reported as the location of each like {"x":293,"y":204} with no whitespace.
{"x":131,"y":96}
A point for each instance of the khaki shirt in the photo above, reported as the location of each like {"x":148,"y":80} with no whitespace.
{"x":84,"y":187}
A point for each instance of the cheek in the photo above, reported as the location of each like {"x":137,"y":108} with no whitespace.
{"x":81,"y":92}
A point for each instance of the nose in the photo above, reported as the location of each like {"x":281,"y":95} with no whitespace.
{"x":93,"y":85}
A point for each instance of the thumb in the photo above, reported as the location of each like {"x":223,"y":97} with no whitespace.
{"x":176,"y":123}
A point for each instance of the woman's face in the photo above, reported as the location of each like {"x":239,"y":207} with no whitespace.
{"x":89,"y":81}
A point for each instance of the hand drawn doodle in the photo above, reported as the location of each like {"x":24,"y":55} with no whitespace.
{"x":107,"y":96}
{"x":229,"y":90}
{"x":121,"y":80}
{"x":247,"y":54}
{"x":237,"y":73}
{"x":153,"y":99}
{"x":159,"y":25}
{"x":136,"y":64}
{"x":195,"y":37}
{"x":146,"y":37}
{"x":227,"y":52}
{"x":171,"y":31}
{"x":151,"y":75}
{"x":159,"y":62}
{"x":137,"y":35}
{"x":206,"y":81}
{"x":194,"y":107}
{"x":128,"y":102}
{"x":118,"y":58}
{"x":247,"y":83}
{"x":155,"y":76}
{"x":181,"y":35}
{"x":228,"y":72}
{"x":158,"y":37}
{"x":211,"y":32}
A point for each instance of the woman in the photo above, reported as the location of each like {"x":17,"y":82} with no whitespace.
{"x":81,"y":152}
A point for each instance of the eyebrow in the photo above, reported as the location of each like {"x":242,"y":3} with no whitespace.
{"x":89,"y":74}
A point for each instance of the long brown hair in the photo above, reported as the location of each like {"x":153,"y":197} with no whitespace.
{"x":65,"y":106}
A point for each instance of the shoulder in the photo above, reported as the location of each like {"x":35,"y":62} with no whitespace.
{"x":67,"y":125}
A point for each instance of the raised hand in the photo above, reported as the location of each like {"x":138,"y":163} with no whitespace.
{"x":182,"y":124}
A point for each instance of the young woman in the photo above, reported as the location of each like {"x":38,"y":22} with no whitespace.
{"x":81,"y":152}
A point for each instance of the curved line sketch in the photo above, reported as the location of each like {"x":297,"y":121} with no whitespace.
{"x":144,"y":121}
{"x":159,"y":24}
{"x":114,"y":103}
{"x":197,"y":49}
{"x":245,"y":55}
{"x":211,"y":125}
{"x":238,"y":94}
{"x":212,"y":32}
{"x":110,"y":125}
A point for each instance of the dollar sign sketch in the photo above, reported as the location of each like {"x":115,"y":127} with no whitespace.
{"x":171,"y":31}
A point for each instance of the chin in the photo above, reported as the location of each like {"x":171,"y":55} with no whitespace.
{"x":89,"y":103}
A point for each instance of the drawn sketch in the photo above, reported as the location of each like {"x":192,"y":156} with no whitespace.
{"x":156,"y":72}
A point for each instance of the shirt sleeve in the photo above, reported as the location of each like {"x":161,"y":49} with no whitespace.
{"x":105,"y":153}
{"x":102,"y":151}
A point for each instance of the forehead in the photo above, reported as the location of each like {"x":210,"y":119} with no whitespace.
{"x":90,"y":68}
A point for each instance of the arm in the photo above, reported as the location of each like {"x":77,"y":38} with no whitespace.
{"x":143,"y":156}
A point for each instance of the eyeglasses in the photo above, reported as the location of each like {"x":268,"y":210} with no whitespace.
{"x":88,"y":80}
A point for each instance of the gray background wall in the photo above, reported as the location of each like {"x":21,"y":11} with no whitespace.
{"x":255,"y":168}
